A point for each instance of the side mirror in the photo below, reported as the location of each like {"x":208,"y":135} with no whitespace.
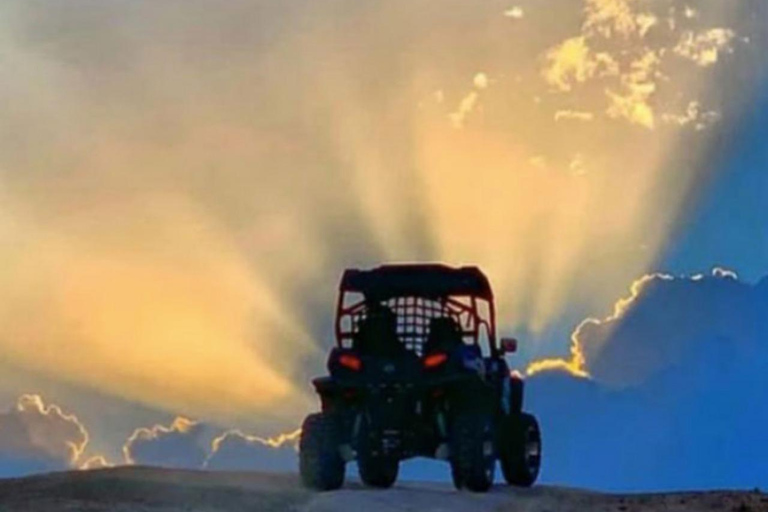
{"x":508,"y":345}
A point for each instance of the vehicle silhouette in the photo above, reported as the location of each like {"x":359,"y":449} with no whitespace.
{"x":417,"y":371}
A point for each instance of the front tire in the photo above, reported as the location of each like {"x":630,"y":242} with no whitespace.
{"x":473,"y":459}
{"x":320,"y":463}
{"x":521,"y":451}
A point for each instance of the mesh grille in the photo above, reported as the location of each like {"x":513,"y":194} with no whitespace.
{"x":414,"y":315}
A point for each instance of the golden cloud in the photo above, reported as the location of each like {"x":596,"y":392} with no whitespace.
{"x":174,"y":215}
{"x":573,"y":115}
{"x":40,"y":436}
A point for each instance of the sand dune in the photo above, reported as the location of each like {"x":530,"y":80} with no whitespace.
{"x":139,"y":489}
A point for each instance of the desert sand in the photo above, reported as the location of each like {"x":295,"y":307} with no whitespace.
{"x":140,"y":489}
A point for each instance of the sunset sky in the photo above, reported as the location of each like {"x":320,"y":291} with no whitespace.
{"x":182,"y":183}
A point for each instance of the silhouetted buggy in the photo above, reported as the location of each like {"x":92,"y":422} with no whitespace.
{"x":418,"y":371}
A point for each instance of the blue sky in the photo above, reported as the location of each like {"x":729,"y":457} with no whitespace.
{"x":728,"y":224}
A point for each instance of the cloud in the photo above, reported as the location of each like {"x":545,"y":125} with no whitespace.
{"x":466,"y":106}
{"x":607,"y":17}
{"x":469,"y":102}
{"x":632,"y":66}
{"x":190,"y":444}
{"x":577,"y":165}
{"x":180,"y":188}
{"x":182,"y":444}
{"x":96,"y":462}
{"x":677,"y":376}
{"x":575,"y":365}
{"x":693,"y":114}
{"x":573,"y":115}
{"x":660,"y":323}
{"x":515,"y":12}
{"x":39,"y":437}
{"x":704,"y":48}
{"x":481,"y":81}
{"x":667,"y":319}
{"x":234,"y":450}
{"x":572,"y":62}
{"x":168,"y":321}
{"x":639,"y":85}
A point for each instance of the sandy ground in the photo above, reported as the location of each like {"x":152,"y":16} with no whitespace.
{"x":137,"y":489}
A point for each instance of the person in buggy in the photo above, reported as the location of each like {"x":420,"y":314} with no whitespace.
{"x":377,"y":334}
{"x":445,"y":338}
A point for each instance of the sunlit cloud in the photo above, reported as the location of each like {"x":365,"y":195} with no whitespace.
{"x":273,"y":442}
{"x":609,"y":17}
{"x":576,"y":365}
{"x":190,"y":444}
{"x":179,"y":444}
{"x":175,"y":216}
{"x":469,"y":102}
{"x":693,"y":115}
{"x":481,"y":81}
{"x":573,"y":115}
{"x":41,"y":436}
{"x":96,"y":462}
{"x":634,"y":69}
{"x":578,"y":166}
{"x":572,"y":62}
{"x":704,"y":48}
{"x":166,"y":322}
{"x":50,"y":428}
{"x":654,"y":323}
{"x":515,"y":12}
{"x":682,"y":347}
{"x":234,"y":449}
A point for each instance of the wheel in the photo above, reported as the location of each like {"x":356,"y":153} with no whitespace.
{"x":521,"y":450}
{"x":378,"y":471}
{"x":472,"y":455}
{"x":320,"y":463}
{"x":375,"y":469}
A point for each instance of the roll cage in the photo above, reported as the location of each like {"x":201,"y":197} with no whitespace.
{"x":417,"y":294}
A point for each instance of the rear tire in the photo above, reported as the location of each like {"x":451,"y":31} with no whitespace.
{"x":521,"y":450}
{"x":374,"y":468}
{"x":378,"y":471}
{"x":320,"y":463}
{"x":473,"y":461}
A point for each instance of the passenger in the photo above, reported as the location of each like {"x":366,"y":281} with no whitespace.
{"x":377,"y":335}
{"x":444,"y":335}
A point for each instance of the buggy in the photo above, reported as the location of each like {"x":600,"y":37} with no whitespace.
{"x":417,"y":371}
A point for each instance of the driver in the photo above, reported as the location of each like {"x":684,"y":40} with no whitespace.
{"x":378,"y":333}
